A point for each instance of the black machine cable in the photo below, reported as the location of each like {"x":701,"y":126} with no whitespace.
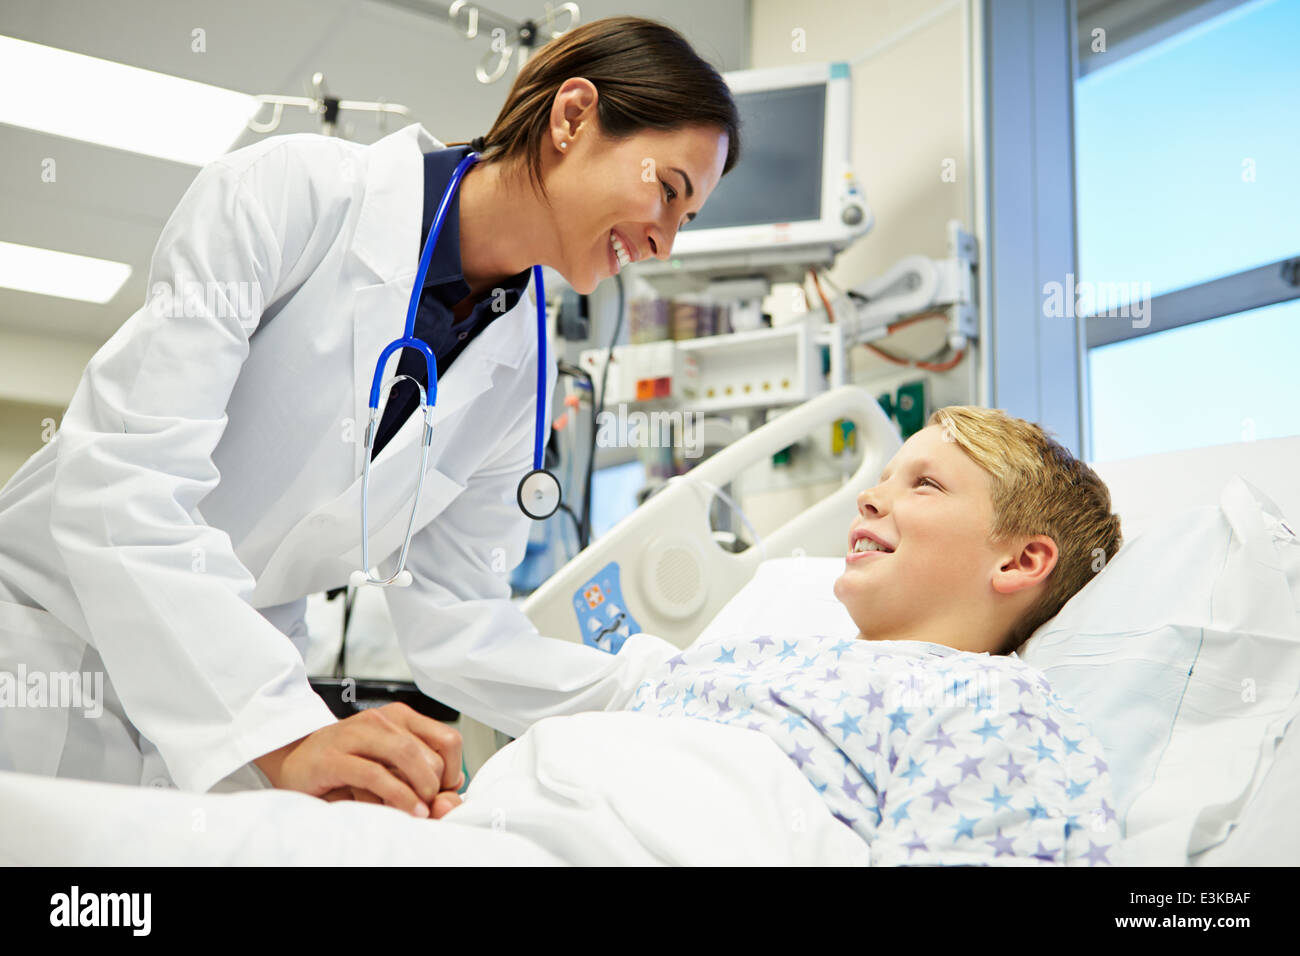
{"x":597,"y":406}
{"x":574,"y":371}
{"x":349,"y":596}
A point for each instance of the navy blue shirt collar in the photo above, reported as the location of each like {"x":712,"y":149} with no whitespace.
{"x":445,"y":269}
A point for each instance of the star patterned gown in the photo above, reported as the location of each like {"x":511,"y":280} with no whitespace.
{"x":932,"y":755}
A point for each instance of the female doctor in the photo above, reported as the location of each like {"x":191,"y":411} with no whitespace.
{"x":205,"y":478}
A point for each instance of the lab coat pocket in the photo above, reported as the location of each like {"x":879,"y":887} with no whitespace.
{"x":40,"y":683}
{"x":440,"y":490}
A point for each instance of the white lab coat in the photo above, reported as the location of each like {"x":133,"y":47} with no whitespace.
{"x":206,"y":479}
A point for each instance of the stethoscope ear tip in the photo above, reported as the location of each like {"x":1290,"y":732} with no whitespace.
{"x":357,"y":578}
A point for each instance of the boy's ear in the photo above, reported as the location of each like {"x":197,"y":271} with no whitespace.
{"x":1027,"y":566}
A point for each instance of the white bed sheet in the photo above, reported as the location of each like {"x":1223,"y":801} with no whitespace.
{"x":45,"y":821}
{"x":1268,"y":830}
{"x":591,"y":789}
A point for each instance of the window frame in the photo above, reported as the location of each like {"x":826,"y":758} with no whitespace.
{"x":1028,"y":58}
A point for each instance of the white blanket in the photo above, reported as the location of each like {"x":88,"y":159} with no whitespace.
{"x":591,"y":789}
{"x":630,"y":788}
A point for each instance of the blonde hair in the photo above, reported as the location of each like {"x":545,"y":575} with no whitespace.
{"x":1038,"y":488}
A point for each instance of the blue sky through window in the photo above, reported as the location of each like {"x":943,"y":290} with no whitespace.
{"x":1188,"y":169}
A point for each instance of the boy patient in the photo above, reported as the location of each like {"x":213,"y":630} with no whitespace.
{"x":925,"y":734}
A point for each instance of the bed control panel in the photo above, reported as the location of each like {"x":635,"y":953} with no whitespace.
{"x":603,"y":616}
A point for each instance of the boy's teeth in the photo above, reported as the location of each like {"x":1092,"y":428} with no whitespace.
{"x":866,"y":544}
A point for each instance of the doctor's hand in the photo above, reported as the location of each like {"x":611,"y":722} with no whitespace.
{"x":391,"y":755}
{"x":443,"y":803}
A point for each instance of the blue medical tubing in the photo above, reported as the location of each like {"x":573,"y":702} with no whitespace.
{"x":430,"y":360}
{"x":408,"y":339}
{"x":541,"y":368}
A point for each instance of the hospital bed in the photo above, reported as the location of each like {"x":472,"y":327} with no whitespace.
{"x":663,"y":558}
{"x":661,"y":571}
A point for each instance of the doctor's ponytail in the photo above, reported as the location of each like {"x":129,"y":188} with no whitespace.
{"x":646,"y":74}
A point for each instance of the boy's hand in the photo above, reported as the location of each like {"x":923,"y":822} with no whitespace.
{"x":443,"y":803}
{"x":391,"y":754}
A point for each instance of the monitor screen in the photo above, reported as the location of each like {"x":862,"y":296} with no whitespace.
{"x":779,"y":176}
{"x":613,"y":494}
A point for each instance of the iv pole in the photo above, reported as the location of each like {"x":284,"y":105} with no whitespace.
{"x":322,"y":104}
{"x":506,"y":36}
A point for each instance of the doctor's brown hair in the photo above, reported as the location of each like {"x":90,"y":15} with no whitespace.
{"x":646,"y":75}
{"x":1038,"y":488}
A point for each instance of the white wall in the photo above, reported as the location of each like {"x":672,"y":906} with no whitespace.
{"x":37,"y":378}
{"x":24,"y":428}
{"x":907,"y":113}
{"x":908,"y":118}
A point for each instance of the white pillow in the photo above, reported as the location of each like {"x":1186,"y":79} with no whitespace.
{"x":786,"y":596}
{"x":1183,"y":657}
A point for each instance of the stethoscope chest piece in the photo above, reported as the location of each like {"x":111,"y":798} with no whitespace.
{"x":539,"y":494}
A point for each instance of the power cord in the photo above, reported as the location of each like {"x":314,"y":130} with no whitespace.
{"x":929,"y":363}
{"x":597,"y":406}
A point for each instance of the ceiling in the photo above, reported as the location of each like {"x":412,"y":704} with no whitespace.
{"x":112,"y":204}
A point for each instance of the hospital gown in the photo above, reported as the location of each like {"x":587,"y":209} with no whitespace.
{"x":932,"y":755}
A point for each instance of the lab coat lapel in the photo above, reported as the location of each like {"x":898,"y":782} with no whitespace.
{"x":307,"y":558}
{"x":392,"y":208}
{"x":386,"y":243}
{"x":384,"y":248}
{"x":392,"y":472}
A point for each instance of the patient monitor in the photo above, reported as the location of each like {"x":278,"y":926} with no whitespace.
{"x":792,"y":202}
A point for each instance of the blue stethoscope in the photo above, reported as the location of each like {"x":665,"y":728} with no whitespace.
{"x":539,"y":490}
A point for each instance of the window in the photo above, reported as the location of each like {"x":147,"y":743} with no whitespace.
{"x":1188,"y":193}
{"x":1210,"y":383}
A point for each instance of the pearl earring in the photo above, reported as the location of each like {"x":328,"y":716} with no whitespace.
{"x":564,"y":146}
